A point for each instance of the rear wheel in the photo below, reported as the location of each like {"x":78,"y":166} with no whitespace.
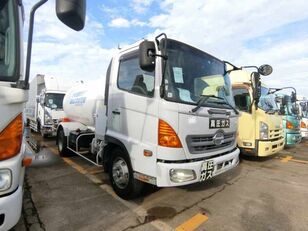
{"x":122,"y":176}
{"x":62,"y":143}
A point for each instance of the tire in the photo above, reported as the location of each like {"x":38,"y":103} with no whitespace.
{"x":62,"y":143}
{"x":120,"y":167}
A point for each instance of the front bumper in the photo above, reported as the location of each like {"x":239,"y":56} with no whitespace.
{"x":292,"y":139}
{"x":49,"y":130}
{"x":10,"y":208}
{"x":304,"y":133}
{"x":267,"y":148}
{"x":221,"y":165}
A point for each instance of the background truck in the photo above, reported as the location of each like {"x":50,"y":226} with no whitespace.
{"x":303,"y":112}
{"x":165,"y":117}
{"x":13,"y":95}
{"x":260,"y":126}
{"x":45,"y":105}
{"x":291,"y":119}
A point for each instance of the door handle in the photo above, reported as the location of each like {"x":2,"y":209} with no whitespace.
{"x":116,"y":112}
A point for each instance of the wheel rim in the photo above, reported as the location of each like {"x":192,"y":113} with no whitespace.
{"x":120,"y":173}
{"x":60,"y":141}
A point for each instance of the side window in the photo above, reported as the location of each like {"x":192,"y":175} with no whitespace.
{"x":132,"y":79}
{"x":242,"y":99}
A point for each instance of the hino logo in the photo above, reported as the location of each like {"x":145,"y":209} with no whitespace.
{"x":218,"y":138}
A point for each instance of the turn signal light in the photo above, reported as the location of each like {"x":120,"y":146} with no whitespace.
{"x":289,"y":125}
{"x":65,"y":119}
{"x":167,"y":136}
{"x":303,"y":125}
{"x":11,"y":138}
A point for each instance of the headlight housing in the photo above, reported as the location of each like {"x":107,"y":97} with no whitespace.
{"x":48,"y":120}
{"x":289,"y":125}
{"x":263,"y":129}
{"x":303,"y":124}
{"x":5,"y":179}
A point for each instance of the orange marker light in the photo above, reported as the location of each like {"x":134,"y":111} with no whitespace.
{"x":289,"y":125}
{"x":167,"y":136}
{"x":303,"y":125}
{"x":26,"y":161}
{"x":11,"y":138}
{"x":65,"y":119}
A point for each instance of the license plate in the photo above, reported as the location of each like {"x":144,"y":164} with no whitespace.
{"x":207,"y":169}
{"x":219,"y":123}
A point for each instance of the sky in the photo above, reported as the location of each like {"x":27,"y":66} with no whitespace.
{"x":241,"y":32}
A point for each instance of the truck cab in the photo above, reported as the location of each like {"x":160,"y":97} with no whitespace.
{"x":12,"y":100}
{"x":291,"y":119}
{"x":260,"y":127}
{"x":164,"y":117}
{"x":14,"y":94}
{"x":45,"y":106}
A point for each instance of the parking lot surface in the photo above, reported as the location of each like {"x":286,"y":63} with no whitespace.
{"x":260,"y":194}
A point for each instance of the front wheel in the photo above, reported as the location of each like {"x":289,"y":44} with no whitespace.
{"x":122,"y":176}
{"x":62,"y":143}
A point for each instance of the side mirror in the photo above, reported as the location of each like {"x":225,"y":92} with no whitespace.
{"x":282,"y":110}
{"x":72,"y":13}
{"x":147,"y":56}
{"x":256,"y":85}
{"x":265,"y":70}
{"x":284,"y":100}
{"x":293,"y":97}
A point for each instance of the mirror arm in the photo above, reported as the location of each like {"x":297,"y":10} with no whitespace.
{"x":29,"y":45}
{"x":152,"y":54}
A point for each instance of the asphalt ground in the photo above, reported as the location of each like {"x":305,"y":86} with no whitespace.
{"x":260,"y":194}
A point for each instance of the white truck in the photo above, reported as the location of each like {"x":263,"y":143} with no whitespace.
{"x":303,"y":112}
{"x":45,"y":105}
{"x":165,"y":116}
{"x":13,"y":95}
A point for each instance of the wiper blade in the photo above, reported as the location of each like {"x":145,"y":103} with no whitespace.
{"x":270,"y":111}
{"x":227,"y":102}
{"x":203,"y":99}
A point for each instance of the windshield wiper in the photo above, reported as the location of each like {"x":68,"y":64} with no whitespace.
{"x":227,"y":102}
{"x":271,"y":111}
{"x":203,"y":99}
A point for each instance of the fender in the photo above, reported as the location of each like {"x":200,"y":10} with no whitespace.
{"x":71,"y":126}
{"x":112,"y":143}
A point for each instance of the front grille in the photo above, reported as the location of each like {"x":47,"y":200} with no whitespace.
{"x":276,"y":134}
{"x":198,"y":144}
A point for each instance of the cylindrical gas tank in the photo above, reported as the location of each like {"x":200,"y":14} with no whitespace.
{"x":80,"y":102}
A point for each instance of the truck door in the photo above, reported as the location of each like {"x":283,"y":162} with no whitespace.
{"x":132,"y":110}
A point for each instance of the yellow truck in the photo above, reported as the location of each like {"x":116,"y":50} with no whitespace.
{"x":260,"y":131}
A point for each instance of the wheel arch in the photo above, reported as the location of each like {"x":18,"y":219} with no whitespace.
{"x":112,"y":144}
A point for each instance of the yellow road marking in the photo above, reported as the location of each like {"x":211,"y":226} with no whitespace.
{"x":75,"y":166}
{"x":192,"y":223}
{"x":286,"y":159}
{"x":300,"y":161}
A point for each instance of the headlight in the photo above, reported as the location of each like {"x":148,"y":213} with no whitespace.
{"x":5,"y":179}
{"x":48,"y":120}
{"x":182,"y":175}
{"x":263,"y":131}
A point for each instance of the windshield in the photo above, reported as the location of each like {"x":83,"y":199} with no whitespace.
{"x":288,"y":107}
{"x":267,"y":102}
{"x":54,"y":101}
{"x":304,"y":109}
{"x":8,"y":40}
{"x":191,"y":74}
